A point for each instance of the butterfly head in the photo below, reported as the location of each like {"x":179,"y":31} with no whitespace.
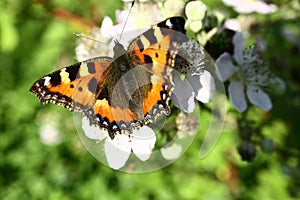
{"x":120,"y":56}
{"x":119,"y":49}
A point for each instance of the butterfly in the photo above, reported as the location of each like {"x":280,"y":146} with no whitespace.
{"x":124,"y":92}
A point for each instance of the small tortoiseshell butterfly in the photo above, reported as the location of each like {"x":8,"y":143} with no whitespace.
{"x":124,"y":92}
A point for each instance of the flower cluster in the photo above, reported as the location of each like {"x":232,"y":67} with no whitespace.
{"x":245,"y":68}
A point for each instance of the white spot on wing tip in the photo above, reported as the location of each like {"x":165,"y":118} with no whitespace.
{"x":169,"y":23}
{"x":46,"y":80}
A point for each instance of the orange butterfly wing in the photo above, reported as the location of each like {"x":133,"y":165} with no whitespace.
{"x":75,"y":87}
{"x":156,"y":49}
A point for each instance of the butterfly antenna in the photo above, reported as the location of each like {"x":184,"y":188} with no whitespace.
{"x":132,"y":3}
{"x":85,"y":37}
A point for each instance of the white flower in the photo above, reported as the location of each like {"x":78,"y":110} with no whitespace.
{"x":250,"y":6}
{"x":196,"y":83}
{"x":102,"y":39}
{"x":251,"y":72}
{"x":141,"y":142}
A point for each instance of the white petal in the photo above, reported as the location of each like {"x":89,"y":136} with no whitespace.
{"x":259,"y":98}
{"x":232,"y":24}
{"x":203,"y":85}
{"x":238,"y":43}
{"x":249,"y":6}
{"x":257,"y":6}
{"x":121,"y":20}
{"x":172,"y":151}
{"x":237,"y":96}
{"x":225,"y":66}
{"x":231,"y":2}
{"x":107,"y":27}
{"x":117,"y":151}
{"x":121,"y":16}
{"x":264,"y":8}
{"x":93,"y":132}
{"x":143,"y":141}
{"x":183,"y":94}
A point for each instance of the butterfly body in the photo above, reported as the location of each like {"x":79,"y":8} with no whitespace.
{"x":120,"y":93}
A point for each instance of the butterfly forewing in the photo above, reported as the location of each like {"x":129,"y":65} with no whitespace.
{"x":74,"y":87}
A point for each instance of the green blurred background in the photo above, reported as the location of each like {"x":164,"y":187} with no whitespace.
{"x":36,"y":38}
